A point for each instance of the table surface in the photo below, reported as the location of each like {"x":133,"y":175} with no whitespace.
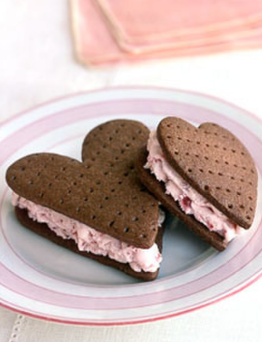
{"x":38,"y":64}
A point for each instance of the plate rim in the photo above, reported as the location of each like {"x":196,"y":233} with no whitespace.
{"x":127,"y":88}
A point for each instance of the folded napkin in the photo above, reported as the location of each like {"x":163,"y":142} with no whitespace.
{"x":110,"y":31}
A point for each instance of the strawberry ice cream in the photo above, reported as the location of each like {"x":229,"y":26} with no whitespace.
{"x":91,"y":240}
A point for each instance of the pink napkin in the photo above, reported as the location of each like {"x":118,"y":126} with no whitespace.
{"x":109,"y":31}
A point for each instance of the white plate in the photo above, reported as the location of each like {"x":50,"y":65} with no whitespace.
{"x":46,"y":281}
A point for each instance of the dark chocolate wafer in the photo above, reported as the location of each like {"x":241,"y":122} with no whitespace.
{"x":86,"y":194}
{"x":115,"y":144}
{"x":215,"y":163}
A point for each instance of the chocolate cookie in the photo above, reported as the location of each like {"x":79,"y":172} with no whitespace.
{"x":102,"y":195}
{"x":213,"y":163}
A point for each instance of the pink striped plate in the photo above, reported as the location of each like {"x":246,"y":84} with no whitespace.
{"x":45,"y":281}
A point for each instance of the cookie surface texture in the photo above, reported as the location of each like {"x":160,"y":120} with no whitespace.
{"x":113,"y":148}
{"x":215,"y":163}
{"x":110,"y":200}
{"x":115,"y":144}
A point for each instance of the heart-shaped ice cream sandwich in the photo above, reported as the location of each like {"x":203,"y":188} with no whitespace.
{"x":99,"y":208}
{"x":203,"y":175}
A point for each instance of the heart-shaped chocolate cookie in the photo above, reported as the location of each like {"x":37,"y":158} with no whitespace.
{"x":209,"y":173}
{"x":103,"y":193}
{"x":215,"y":163}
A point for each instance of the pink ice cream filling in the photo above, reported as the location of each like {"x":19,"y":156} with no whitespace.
{"x":91,"y":240}
{"x":190,"y":201}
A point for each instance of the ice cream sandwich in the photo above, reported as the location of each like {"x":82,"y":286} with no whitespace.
{"x":98,"y":208}
{"x":203,"y":175}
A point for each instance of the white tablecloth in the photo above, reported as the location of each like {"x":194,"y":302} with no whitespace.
{"x":37,"y":64}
